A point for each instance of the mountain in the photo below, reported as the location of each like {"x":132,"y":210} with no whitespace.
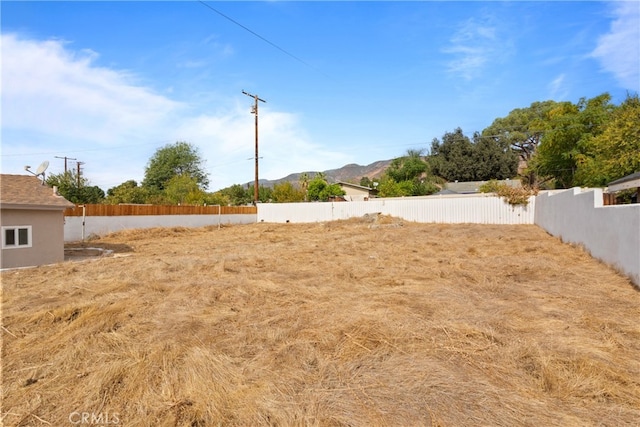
{"x":348,"y":173}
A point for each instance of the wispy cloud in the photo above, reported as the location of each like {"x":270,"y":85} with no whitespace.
{"x":50,"y":89}
{"x":557,"y":89}
{"x":475,"y":45}
{"x":618,"y":51}
{"x":57,"y":101}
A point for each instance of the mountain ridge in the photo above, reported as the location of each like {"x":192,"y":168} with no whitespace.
{"x":351,"y":172}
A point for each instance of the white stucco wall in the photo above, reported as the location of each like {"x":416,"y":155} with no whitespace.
{"x":609,"y":233}
{"x":102,"y":225}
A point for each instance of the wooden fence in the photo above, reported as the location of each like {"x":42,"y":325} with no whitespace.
{"x":135,"y":210}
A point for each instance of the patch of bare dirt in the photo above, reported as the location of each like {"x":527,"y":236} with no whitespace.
{"x":83,"y":251}
{"x":371,"y":321}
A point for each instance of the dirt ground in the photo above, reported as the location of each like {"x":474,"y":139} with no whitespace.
{"x":366,"y":322}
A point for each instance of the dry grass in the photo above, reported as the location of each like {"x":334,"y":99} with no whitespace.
{"x":369,"y":322}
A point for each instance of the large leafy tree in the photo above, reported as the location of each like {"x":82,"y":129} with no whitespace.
{"x":127,"y":192}
{"x":286,"y":192}
{"x":452,"y":159}
{"x":522,"y":130}
{"x":389,"y":187}
{"x":365,"y":181}
{"x":171,"y":160}
{"x":409,"y":167}
{"x":320,"y":190}
{"x":407,"y":176}
{"x":75,"y":189}
{"x":615,"y":152}
{"x":570,"y":130}
{"x":493,"y":159}
{"x":238,"y":195}
{"x":183,"y":189}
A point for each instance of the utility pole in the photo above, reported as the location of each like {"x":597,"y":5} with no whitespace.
{"x":79,"y":172}
{"x":65,"y":162}
{"x":254,"y":110}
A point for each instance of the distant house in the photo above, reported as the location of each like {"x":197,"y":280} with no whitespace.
{"x":32,"y":222}
{"x":472,"y":187}
{"x":356,"y":193}
{"x":626,"y":183}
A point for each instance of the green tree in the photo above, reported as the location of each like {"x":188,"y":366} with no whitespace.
{"x":615,"y":152}
{"x":366,"y":182}
{"x":238,"y":195}
{"x":91,"y":194}
{"x":407,"y":176}
{"x":183,"y":189}
{"x":569,"y":130}
{"x":389,"y":187}
{"x":218,"y":198}
{"x":74,"y":189}
{"x":493,"y":159}
{"x":522,"y":130}
{"x":265,"y":194}
{"x":315,"y":188}
{"x":453,"y":159}
{"x":304,"y":183}
{"x":127,"y":192}
{"x":286,"y":192}
{"x":408,"y":168}
{"x":320,"y":190}
{"x":330,"y":191}
{"x":180,"y":158}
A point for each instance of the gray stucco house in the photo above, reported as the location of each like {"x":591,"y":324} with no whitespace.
{"x":32,"y":222}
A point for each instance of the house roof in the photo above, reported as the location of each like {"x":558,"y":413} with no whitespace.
{"x":629,"y":181}
{"x":28,"y":192}
{"x":472,"y":187}
{"x":360,"y":187}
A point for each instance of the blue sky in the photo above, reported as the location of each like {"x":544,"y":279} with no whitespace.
{"x":108,"y":83}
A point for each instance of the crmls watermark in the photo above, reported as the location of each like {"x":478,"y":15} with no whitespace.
{"x":91,"y":418}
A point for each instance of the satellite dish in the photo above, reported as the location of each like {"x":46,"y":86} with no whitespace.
{"x":40,"y":171}
{"x":43,"y":167}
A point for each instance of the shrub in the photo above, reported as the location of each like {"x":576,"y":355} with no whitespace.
{"x":512,"y":195}
{"x":515,"y":196}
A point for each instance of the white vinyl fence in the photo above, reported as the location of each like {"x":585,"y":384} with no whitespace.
{"x":474,"y":209}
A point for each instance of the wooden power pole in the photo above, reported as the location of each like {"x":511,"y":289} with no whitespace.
{"x":254,"y":110}
{"x":65,"y":162}
{"x":78,"y":164}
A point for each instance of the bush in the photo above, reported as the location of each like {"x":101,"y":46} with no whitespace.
{"x":515,"y":196}
{"x":512,"y":195}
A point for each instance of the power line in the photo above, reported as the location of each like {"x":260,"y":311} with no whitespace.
{"x":65,"y":162}
{"x":263,"y":38}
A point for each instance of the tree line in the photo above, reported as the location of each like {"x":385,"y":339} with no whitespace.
{"x":546,"y":145}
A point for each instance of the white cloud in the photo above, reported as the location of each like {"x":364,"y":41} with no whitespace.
{"x":619,"y":50}
{"x":557,"y":89}
{"x":474,"y":46}
{"x":49,"y":89}
{"x":227,"y":140}
{"x":58,"y":102}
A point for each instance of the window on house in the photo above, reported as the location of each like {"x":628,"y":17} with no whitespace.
{"x":16,"y":237}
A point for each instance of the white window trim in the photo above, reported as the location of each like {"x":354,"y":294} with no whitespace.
{"x":15,"y":228}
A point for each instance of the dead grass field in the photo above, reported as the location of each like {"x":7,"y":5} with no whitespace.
{"x":351,"y":323}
